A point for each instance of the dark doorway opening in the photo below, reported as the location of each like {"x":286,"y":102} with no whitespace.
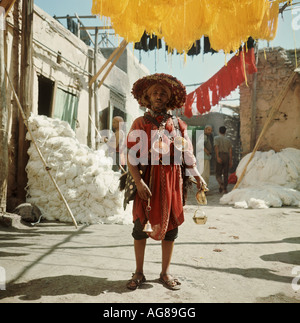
{"x":46,"y":88}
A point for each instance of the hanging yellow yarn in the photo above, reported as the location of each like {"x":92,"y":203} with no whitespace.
{"x":227,"y":23}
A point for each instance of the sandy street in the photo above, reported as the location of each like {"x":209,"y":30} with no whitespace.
{"x":239,"y":255}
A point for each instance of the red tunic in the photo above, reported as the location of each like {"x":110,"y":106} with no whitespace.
{"x":166,"y":180}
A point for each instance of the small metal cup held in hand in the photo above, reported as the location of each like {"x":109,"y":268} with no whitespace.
{"x":199,"y":215}
{"x":147,"y":227}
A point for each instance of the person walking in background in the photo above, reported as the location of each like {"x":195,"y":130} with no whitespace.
{"x":223,"y":150}
{"x":208,"y":150}
{"x":116,"y":143}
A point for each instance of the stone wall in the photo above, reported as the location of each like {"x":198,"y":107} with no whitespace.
{"x":274,"y":68}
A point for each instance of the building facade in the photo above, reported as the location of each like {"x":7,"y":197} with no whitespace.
{"x":62,"y":66}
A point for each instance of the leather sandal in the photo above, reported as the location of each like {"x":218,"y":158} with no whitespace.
{"x":172,"y":284}
{"x":133,"y":284}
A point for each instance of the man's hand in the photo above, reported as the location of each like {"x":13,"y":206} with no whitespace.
{"x":200,"y":183}
{"x":143,"y":190}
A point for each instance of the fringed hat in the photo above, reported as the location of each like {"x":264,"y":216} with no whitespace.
{"x":177,"y":89}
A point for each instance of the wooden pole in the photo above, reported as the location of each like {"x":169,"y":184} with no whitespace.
{"x":81,"y":26}
{"x":25,"y":121}
{"x":274,"y":109}
{"x":96,"y":105}
{"x":112,"y":65}
{"x":116,"y":51}
{"x":89,"y":135}
{"x":253,"y":104}
{"x":3,"y":129}
{"x":26,"y":94}
{"x":9,"y":8}
{"x":96,"y":129}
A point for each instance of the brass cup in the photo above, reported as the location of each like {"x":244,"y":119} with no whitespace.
{"x":200,"y":218}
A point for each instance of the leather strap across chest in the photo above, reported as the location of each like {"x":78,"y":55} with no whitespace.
{"x":157,"y":124}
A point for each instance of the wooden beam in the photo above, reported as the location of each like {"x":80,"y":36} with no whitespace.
{"x":7,"y":5}
{"x":111,"y":57}
{"x":3,"y":129}
{"x":82,"y":28}
{"x":253,"y":104}
{"x":96,"y":105}
{"x":26,"y":93}
{"x":113,"y":63}
{"x":98,"y":27}
{"x":90,"y":66}
{"x":73,"y":17}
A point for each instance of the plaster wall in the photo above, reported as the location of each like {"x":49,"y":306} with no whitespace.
{"x":72,"y":72}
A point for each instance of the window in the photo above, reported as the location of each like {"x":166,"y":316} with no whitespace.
{"x":66,"y":107}
{"x":116,"y":108}
{"x":56,"y":102}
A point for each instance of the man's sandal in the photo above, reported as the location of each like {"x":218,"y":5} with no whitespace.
{"x":172,"y":283}
{"x":133,"y":284}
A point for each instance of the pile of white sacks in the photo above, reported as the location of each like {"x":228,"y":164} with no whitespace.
{"x":83,"y":175}
{"x":271,"y":180}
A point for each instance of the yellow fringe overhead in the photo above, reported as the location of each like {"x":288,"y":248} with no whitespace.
{"x":227,"y":23}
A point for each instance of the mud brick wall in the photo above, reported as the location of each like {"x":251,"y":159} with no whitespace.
{"x":274,"y":68}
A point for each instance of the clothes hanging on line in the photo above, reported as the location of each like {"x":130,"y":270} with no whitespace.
{"x":152,"y":42}
{"x":222,"y":83}
{"x":208,"y":49}
{"x":148,"y":42}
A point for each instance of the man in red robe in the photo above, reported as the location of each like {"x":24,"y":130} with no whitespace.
{"x":153,"y":140}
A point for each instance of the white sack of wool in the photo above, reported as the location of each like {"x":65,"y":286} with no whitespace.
{"x":271,"y":180}
{"x":84,"y":176}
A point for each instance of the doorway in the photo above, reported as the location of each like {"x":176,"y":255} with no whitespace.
{"x":45,"y":99}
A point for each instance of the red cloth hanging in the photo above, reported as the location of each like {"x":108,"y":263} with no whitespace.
{"x":214,"y":88}
{"x":205,"y":98}
{"x":250,"y":61}
{"x":222,"y":83}
{"x":200,"y":103}
{"x":188,"y":104}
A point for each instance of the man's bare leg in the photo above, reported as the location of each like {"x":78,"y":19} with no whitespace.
{"x":139,"y":250}
{"x":165,"y":276}
{"x":167,"y":251}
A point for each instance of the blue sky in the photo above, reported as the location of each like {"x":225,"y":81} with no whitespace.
{"x":197,"y":69}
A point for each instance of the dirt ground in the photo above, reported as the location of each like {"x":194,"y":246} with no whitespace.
{"x":248,"y":256}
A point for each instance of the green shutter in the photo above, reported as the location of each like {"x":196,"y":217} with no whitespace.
{"x":66,"y":107}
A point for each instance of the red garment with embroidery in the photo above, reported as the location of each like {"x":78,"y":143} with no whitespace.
{"x":166,"y":181}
